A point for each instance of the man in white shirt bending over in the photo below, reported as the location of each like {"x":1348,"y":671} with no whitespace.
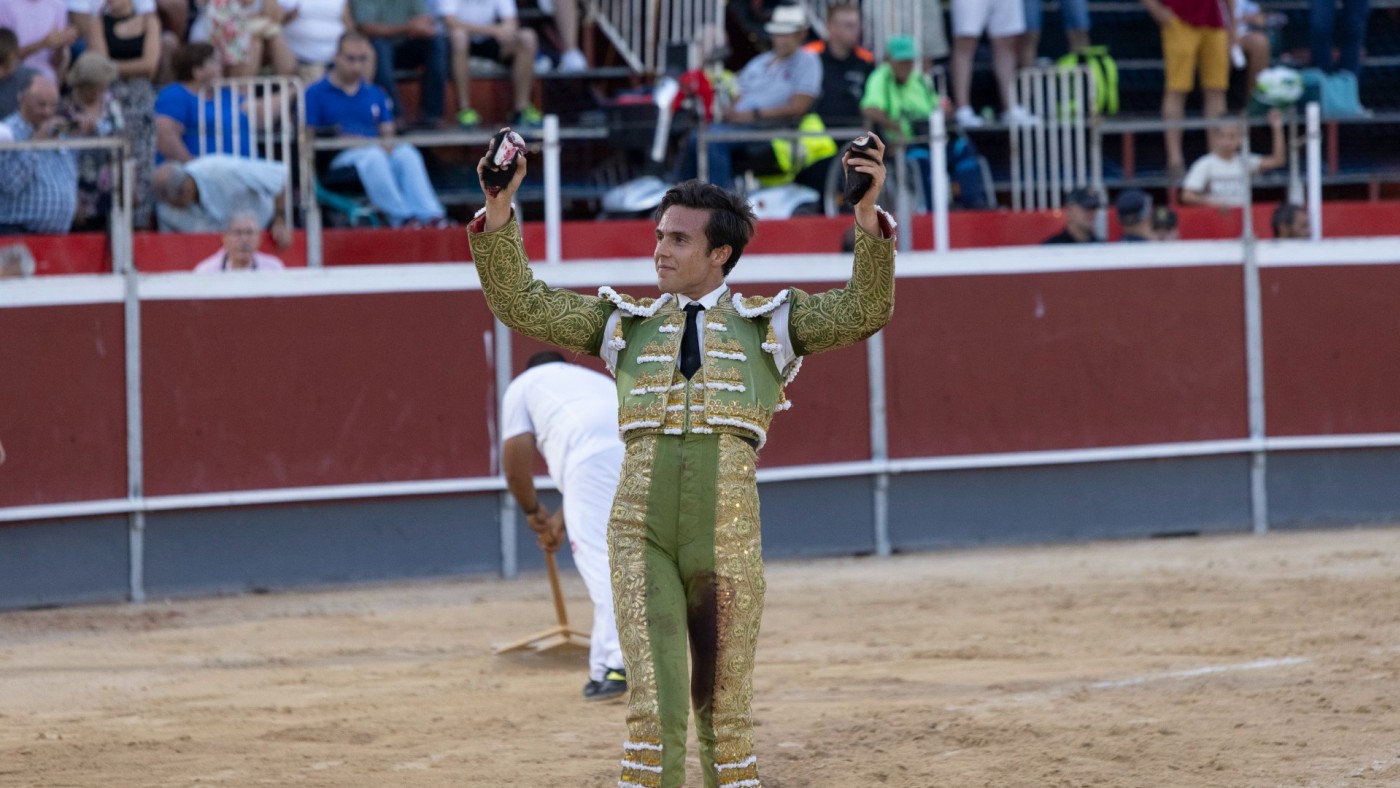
{"x":1218,"y":178}
{"x":569,"y":413}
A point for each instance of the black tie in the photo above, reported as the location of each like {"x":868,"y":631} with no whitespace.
{"x":690,"y":341}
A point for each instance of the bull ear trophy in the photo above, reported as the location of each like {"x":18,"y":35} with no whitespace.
{"x":502,"y":159}
{"x":858,"y":183}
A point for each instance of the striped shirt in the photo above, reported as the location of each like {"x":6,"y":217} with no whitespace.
{"x":38,"y":188}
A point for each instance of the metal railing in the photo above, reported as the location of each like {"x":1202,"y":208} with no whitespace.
{"x":1054,"y":155}
{"x":274,"y":109}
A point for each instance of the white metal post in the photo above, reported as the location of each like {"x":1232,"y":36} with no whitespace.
{"x":135,"y":443}
{"x":553,"y":200}
{"x":499,"y":351}
{"x":1314,"y":113}
{"x":879,"y":440}
{"x":1254,"y":357}
{"x":938,"y":164}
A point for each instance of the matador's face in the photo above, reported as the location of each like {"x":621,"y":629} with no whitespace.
{"x":684,"y":262}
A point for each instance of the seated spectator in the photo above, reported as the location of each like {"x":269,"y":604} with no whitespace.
{"x":246,"y":33}
{"x":1251,"y":41}
{"x":1164,"y":224}
{"x":404,"y":34}
{"x":133,"y":41}
{"x":16,"y":261}
{"x":344,"y":103}
{"x":845,"y":66}
{"x":85,"y":17}
{"x":200,"y":195}
{"x":491,"y":29}
{"x":240,"y":253}
{"x":312,"y":28}
{"x":1218,"y":178}
{"x":90,"y":111}
{"x":899,"y":101}
{"x":43,"y":32}
{"x":197,"y":68}
{"x":1080,"y":205}
{"x":776,"y":88}
{"x":1290,"y":221}
{"x":1322,"y":21}
{"x":38,"y":188}
{"x":565,"y":16}
{"x":13,"y":74}
{"x":1135,"y":215}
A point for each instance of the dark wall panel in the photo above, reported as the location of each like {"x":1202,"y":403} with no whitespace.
{"x":1332,"y":349}
{"x":1057,"y":503}
{"x":1315,"y":488}
{"x":64,"y":562}
{"x":981,"y":364}
{"x":289,"y":392}
{"x":62,"y":404}
{"x":227,"y":550}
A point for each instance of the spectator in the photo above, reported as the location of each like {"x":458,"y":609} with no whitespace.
{"x":16,"y":261}
{"x":1322,"y":21}
{"x":84,"y":16}
{"x":199,"y":196}
{"x":491,"y":29}
{"x":1135,"y":215}
{"x":1194,"y":37}
{"x":246,"y":34}
{"x":38,"y":188}
{"x":404,"y":35}
{"x":90,"y":111}
{"x":1074,"y":14}
{"x":392,"y":172}
{"x":240,"y":252}
{"x":13,"y":74}
{"x":1290,"y":221}
{"x":311,"y":29}
{"x":934,"y":40}
{"x":565,"y":15}
{"x":1004,"y":21}
{"x":1164,"y":224}
{"x":133,"y":41}
{"x":197,"y":67}
{"x":43,"y":32}
{"x":1251,"y":40}
{"x":1218,"y":178}
{"x":1080,"y":205}
{"x":900,"y":101}
{"x":777,"y":87}
{"x":845,"y":66}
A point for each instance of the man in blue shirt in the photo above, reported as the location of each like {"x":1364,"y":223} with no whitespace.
{"x":38,"y":188}
{"x":391,"y":172}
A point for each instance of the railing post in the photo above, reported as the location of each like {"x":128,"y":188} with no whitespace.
{"x":938,"y":163}
{"x":1254,"y":357}
{"x":553,"y":200}
{"x":499,"y":350}
{"x":1314,"y":136}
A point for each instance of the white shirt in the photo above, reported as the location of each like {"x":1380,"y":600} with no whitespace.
{"x":479,"y":12}
{"x":1221,"y":180}
{"x":214,"y":263}
{"x":94,"y":7}
{"x":571,"y":411}
{"x":313,"y":34}
{"x":778,"y":318}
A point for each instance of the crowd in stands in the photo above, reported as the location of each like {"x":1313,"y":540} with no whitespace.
{"x":152,"y":72}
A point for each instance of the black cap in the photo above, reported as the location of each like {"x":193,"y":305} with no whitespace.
{"x":1084,"y":198}
{"x":1163,"y":218}
{"x":1133,"y":205}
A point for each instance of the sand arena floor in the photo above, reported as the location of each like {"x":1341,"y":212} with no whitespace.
{"x":1219,"y":661}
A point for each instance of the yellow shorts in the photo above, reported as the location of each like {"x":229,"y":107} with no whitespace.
{"x":1183,"y":46}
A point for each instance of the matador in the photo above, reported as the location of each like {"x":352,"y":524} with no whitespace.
{"x":700,"y":373}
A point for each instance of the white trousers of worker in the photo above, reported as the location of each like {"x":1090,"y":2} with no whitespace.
{"x":588,"y":492}
{"x":396,"y":183}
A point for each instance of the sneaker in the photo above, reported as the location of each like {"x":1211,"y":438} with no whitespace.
{"x":468,"y":118}
{"x":573,"y":60}
{"x":613,"y":685}
{"x":1017,"y":115}
{"x":543,"y":65}
{"x":524,"y":118}
{"x":967,"y":118}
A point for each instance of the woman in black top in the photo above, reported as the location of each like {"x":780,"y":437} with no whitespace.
{"x":132,"y":41}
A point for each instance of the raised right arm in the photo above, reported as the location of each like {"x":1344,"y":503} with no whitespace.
{"x":555,"y":316}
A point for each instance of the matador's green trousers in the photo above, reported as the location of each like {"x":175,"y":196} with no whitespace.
{"x":686,"y":565}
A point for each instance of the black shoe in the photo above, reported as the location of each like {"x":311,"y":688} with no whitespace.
{"x":613,"y":685}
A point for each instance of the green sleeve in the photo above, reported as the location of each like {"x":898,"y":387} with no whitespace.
{"x":876,"y":87}
{"x":845,"y":316}
{"x":558,"y":317}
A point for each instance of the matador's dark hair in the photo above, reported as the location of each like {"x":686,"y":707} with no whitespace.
{"x":731,"y":219}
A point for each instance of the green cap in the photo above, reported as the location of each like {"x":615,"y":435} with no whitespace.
{"x":900,"y":48}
